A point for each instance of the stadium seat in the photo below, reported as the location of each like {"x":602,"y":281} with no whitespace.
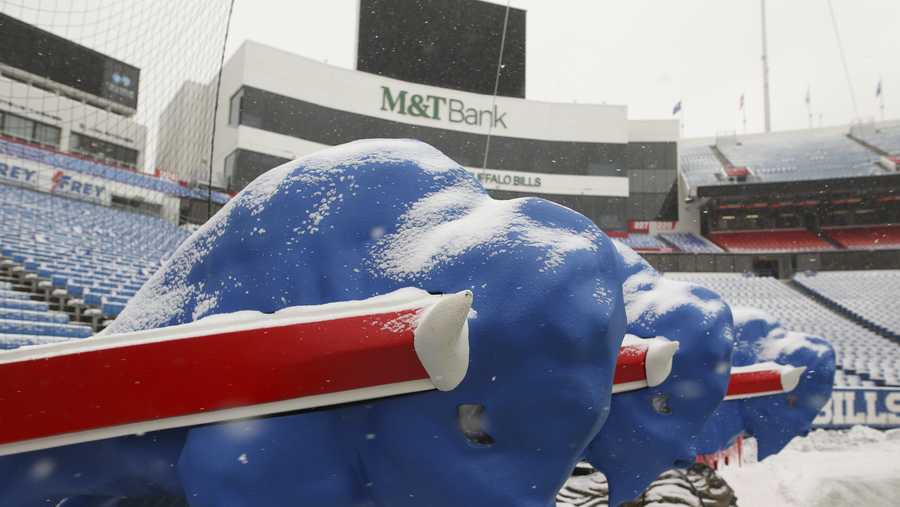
{"x":645,"y":243}
{"x":14,"y":341}
{"x":870,"y":238}
{"x":793,"y":240}
{"x":801,"y":155}
{"x":23,"y":304}
{"x":690,"y":242}
{"x":33,"y":316}
{"x":870,"y":296}
{"x":44,"y":329}
{"x":863,"y":356}
{"x":103,"y":260}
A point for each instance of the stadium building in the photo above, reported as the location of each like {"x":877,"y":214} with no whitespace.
{"x":59,"y":95}
{"x":275,"y":106}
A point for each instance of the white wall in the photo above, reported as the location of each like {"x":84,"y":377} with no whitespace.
{"x":295,"y":76}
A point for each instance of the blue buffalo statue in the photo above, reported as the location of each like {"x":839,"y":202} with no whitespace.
{"x":774,"y":419}
{"x":651,"y":430}
{"x":352,"y":222}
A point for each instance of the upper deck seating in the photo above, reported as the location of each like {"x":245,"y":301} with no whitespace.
{"x":802,"y":155}
{"x":698,"y":163}
{"x":690,"y":242}
{"x":869,"y":238}
{"x":793,"y":240}
{"x":885,"y":136}
{"x":645,"y":243}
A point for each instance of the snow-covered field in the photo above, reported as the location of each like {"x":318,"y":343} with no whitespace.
{"x":858,"y":467}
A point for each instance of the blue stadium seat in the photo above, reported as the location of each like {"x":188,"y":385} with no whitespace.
{"x":110,"y":309}
{"x":23,"y":304}
{"x":44,"y":329}
{"x":14,"y":341}
{"x":863,"y":356}
{"x":11,"y":294}
{"x":34,"y":316}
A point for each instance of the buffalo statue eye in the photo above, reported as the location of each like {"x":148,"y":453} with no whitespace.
{"x":472,"y":421}
{"x":660,"y":404}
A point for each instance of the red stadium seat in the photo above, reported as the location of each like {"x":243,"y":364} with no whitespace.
{"x":794,"y":240}
{"x":879,"y":236}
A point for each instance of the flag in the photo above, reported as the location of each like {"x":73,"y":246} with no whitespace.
{"x":878,"y":90}
{"x":807,"y":96}
{"x":677,"y":108}
{"x":742,"y":103}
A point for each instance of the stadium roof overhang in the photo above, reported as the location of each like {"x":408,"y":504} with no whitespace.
{"x":889,"y":183}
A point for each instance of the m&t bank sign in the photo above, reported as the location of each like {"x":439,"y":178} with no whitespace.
{"x":440,"y":108}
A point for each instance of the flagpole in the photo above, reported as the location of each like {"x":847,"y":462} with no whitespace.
{"x":809,"y":106}
{"x":743,"y":113}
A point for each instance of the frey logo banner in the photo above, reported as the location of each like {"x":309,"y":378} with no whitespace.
{"x":16,"y":174}
{"x":877,"y":407}
{"x":439,"y":108}
{"x":74,"y":186}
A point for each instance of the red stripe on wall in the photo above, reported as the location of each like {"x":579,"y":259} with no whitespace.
{"x":115,"y":386}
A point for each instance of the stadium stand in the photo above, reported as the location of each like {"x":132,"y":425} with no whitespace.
{"x":83,"y":261}
{"x":783,"y":240}
{"x":698,"y":163}
{"x":870,"y":237}
{"x":44,"y":155}
{"x":690,"y":242}
{"x":867,"y":296}
{"x":884,"y":136}
{"x":801,"y":155}
{"x":645,"y":243}
{"x":864,"y":357}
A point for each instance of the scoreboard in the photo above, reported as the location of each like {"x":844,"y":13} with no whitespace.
{"x":446,"y":43}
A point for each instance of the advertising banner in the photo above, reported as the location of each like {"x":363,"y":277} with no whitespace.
{"x":31,"y":174}
{"x":878,"y":407}
{"x":547,"y":183}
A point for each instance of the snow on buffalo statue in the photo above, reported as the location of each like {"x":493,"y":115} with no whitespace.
{"x":352,"y":222}
{"x":653,"y":429}
{"x":772,"y":419}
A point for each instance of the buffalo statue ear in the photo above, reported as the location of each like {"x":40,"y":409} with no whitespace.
{"x":442,"y":340}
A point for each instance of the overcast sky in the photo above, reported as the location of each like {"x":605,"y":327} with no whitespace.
{"x":648,"y":54}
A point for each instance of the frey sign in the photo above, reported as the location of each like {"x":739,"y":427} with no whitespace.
{"x":16,"y":174}
{"x":44,"y":178}
{"x":877,"y":407}
{"x":436,"y":107}
{"x":73,"y":186}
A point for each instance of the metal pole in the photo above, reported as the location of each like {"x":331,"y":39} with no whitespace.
{"x":765,"y":64}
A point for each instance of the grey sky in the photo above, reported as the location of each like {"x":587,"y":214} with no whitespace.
{"x":648,"y":54}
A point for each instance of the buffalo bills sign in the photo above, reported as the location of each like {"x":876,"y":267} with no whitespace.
{"x":871,"y":406}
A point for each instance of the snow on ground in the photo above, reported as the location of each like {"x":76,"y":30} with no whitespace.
{"x":858,"y":467}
